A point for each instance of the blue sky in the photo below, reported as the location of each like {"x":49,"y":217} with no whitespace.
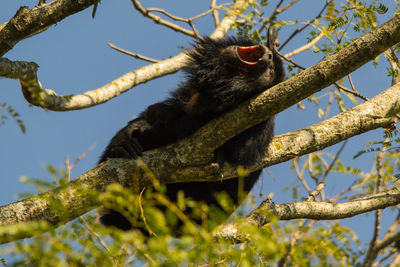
{"x":73,"y":58}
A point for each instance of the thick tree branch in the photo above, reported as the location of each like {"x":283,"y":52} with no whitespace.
{"x":48,"y":99}
{"x":375,"y":113}
{"x":27,"y":22}
{"x":312,"y":210}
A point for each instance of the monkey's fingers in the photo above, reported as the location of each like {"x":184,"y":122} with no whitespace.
{"x":130,"y":149}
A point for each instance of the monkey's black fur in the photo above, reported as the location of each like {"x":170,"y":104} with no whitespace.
{"x":219,"y":77}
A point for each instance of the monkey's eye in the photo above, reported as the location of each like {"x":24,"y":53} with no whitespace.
{"x":250,"y":55}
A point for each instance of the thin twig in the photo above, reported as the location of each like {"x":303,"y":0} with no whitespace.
{"x":298,"y":30}
{"x":394,"y":64}
{"x":94,"y":233}
{"x":294,"y":240}
{"x":396,"y":260}
{"x":277,"y":11}
{"x":148,"y":228}
{"x":327,"y":171}
{"x":300,"y":175}
{"x":356,"y":184}
{"x":306,"y":46}
{"x":193,"y":28}
{"x":373,"y":244}
{"x":153,"y":9}
{"x":351,"y":83}
{"x":347,"y":90}
{"x":381,"y":261}
{"x":329,"y":105}
{"x":288,"y":59}
{"x":351,"y":188}
{"x":189,"y":21}
{"x":135,"y":55}
{"x":310,"y":167}
{"x":313,"y":195}
{"x":95,"y":8}
{"x":215,"y":12}
{"x":393,"y":227}
{"x":210,"y":10}
{"x":161,"y":21}
{"x":69,"y":166}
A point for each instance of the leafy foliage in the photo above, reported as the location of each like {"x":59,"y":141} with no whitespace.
{"x":84,"y":242}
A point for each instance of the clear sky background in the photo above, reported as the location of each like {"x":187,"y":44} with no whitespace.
{"x":74,"y":58}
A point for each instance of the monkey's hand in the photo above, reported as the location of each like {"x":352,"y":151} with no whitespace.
{"x":126,"y":144}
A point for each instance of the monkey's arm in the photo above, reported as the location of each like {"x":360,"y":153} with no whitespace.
{"x":159,"y":125}
{"x":125,"y":144}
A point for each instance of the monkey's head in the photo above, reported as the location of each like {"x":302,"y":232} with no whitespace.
{"x":233,"y":69}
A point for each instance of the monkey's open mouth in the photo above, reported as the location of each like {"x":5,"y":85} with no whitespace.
{"x":250,"y":54}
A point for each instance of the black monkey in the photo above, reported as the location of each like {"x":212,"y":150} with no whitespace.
{"x":220,"y":75}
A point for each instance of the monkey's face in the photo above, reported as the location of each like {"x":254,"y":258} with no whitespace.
{"x":231,"y":70}
{"x":256,"y":62}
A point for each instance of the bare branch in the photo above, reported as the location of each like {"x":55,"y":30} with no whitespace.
{"x":215,"y":12}
{"x":372,"y":252}
{"x":385,"y":242}
{"x":314,"y":210}
{"x":300,"y":175}
{"x":27,"y":22}
{"x":289,"y":60}
{"x":153,"y":9}
{"x":95,"y":8}
{"x":355,"y":93}
{"x":308,"y":23}
{"x":230,"y":17}
{"x":396,"y":260}
{"x":277,"y":11}
{"x":306,"y":46}
{"x":50,"y":100}
{"x":393,"y":228}
{"x":158,"y":20}
{"x":135,"y":55}
{"x":313,"y":195}
{"x":189,"y":21}
{"x":333,"y":162}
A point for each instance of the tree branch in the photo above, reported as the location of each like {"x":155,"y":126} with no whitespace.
{"x":312,"y":210}
{"x":135,"y":55}
{"x":27,"y":22}
{"x":158,"y":20}
{"x":306,"y":46}
{"x":48,"y":99}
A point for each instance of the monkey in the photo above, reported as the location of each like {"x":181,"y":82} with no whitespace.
{"x":220,"y":74}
